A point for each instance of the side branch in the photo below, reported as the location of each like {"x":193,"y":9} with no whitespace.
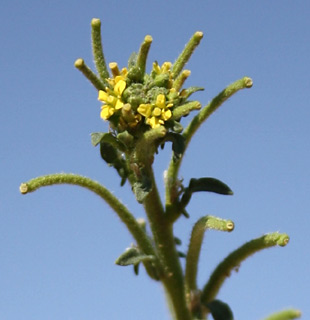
{"x":192,"y":257}
{"x":234,"y":260}
{"x":125,"y":215}
{"x":215,"y":104}
{"x":288,"y":314}
{"x":193,"y":127}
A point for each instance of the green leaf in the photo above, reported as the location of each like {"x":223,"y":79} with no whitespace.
{"x":220,"y":310}
{"x":178,"y":144}
{"x":96,"y":138}
{"x":99,"y":137}
{"x":132,"y":61}
{"x":210,"y":185}
{"x":141,"y":189}
{"x":108,"y":153}
{"x":132,"y":256}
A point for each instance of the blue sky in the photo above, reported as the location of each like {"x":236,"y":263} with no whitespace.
{"x":58,"y":245}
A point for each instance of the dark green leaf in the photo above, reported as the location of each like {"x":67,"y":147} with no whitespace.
{"x":210,"y":185}
{"x":133,"y":256}
{"x":108,"y":153}
{"x":220,"y":310}
{"x":142,"y":189}
{"x":178,"y":144}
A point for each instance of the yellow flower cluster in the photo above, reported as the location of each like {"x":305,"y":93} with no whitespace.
{"x":158,"y":113}
{"x":113,"y":98}
{"x":155,"y":114}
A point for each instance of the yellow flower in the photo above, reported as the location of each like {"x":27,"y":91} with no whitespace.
{"x":165,"y":68}
{"x":156,"y":114}
{"x":112,"y":98}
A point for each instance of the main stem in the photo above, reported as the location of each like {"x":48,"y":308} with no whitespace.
{"x":172,"y":275}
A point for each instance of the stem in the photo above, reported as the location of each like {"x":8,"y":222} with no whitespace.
{"x":89,"y":74}
{"x":233,"y":261}
{"x":124,"y":214}
{"x":186,"y":53}
{"x":288,"y":314}
{"x":192,"y":257}
{"x":97,"y":49}
{"x":215,"y":104}
{"x":162,"y":230}
{"x":142,"y":55}
{"x":179,"y":81}
{"x":193,"y":127}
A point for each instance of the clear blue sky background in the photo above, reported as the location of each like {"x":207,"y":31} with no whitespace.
{"x":58,"y":245}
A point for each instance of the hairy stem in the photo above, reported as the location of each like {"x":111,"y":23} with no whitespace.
{"x":233,"y":261}
{"x":204,"y":114}
{"x":172,"y":277}
{"x":89,"y":74}
{"x":97,"y":49}
{"x":186,"y":53}
{"x":288,"y":314}
{"x":124,"y":214}
{"x":192,"y":257}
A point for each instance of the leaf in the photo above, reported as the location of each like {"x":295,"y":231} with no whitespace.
{"x":99,"y":137}
{"x":108,"y":153}
{"x":178,"y":144}
{"x":96,"y":138}
{"x":220,"y":310}
{"x":210,"y":185}
{"x":142,"y":189}
{"x":132,"y":256}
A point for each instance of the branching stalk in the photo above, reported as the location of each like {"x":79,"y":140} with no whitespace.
{"x":124,"y":214}
{"x":192,"y":257}
{"x":288,"y":314}
{"x":89,"y":74}
{"x":97,"y":50}
{"x":233,"y":261}
{"x":186,"y":53}
{"x":196,"y":122}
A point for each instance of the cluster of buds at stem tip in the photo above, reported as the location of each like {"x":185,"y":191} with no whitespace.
{"x":135,"y":101}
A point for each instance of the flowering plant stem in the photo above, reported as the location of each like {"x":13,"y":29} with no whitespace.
{"x":144,"y":112}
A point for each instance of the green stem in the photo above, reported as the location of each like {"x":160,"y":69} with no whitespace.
{"x":89,"y":74}
{"x":193,"y":127}
{"x":142,"y":55}
{"x":162,"y":230}
{"x":124,"y":214}
{"x":186,"y":53}
{"x":288,"y":314}
{"x":192,"y":257}
{"x":214,"y":105}
{"x":233,"y":261}
{"x":97,"y":49}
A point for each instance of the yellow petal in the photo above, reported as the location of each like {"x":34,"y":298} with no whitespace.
{"x":153,"y":122}
{"x":119,"y":104}
{"x":119,"y":86}
{"x":161,"y":101}
{"x":145,"y":109}
{"x":156,"y":112}
{"x":166,"y":114}
{"x":103,"y":96}
{"x":106,"y":112}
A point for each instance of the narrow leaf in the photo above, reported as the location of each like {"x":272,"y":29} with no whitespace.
{"x":132,"y":256}
{"x":209,"y":184}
